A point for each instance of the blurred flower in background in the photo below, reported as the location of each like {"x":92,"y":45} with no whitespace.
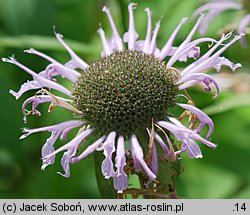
{"x":216,"y":7}
{"x":22,"y":177}
{"x":239,"y":82}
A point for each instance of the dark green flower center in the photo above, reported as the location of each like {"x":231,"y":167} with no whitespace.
{"x":124,"y":91}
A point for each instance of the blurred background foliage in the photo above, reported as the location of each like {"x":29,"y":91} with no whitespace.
{"x":222,"y":173}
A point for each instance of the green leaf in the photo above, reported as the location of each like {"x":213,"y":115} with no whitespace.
{"x":228,"y":104}
{"x":203,"y":180}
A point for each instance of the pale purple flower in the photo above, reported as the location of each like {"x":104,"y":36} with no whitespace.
{"x":59,"y":130}
{"x":112,"y":142}
{"x":138,"y":157}
{"x":120,"y":177}
{"x":215,"y":7}
{"x":187,"y":136}
{"x":108,"y":148}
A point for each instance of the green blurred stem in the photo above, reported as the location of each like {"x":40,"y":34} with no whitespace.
{"x":235,"y":101}
{"x":123,"y":8}
{"x":45,"y":43}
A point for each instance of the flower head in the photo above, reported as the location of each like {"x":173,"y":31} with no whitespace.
{"x":122,"y":95}
{"x":216,"y":7}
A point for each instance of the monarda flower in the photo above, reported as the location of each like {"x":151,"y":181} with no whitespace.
{"x":125,"y":95}
{"x":216,"y":7}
